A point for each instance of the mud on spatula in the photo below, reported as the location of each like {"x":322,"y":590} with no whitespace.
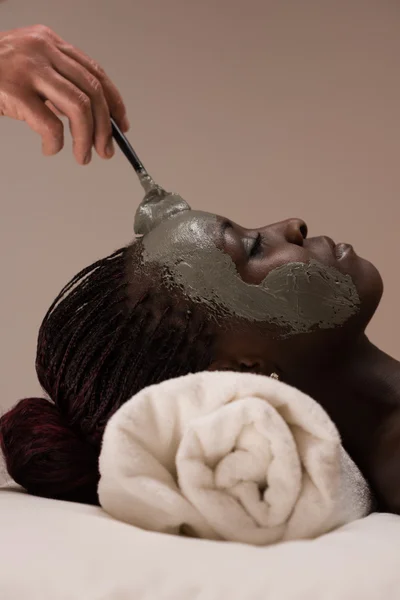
{"x":157,"y":204}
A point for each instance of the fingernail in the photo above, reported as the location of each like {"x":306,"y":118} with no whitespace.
{"x":88,"y":158}
{"x":125,"y":124}
{"x":110,"y":148}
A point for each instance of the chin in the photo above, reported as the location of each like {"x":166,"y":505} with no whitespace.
{"x":369,"y":284}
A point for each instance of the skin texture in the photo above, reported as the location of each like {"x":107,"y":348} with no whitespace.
{"x":43,"y":77}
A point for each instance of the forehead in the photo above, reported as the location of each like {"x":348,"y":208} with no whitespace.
{"x":188,"y":229}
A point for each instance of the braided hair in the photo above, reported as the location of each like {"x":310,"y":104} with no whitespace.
{"x":114,"y":329}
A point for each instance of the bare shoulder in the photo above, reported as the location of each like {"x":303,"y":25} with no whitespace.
{"x":385,"y":463}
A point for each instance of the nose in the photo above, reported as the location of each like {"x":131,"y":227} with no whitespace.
{"x":294,"y":231}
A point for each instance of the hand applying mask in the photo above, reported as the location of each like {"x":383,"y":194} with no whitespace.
{"x":42,"y":76}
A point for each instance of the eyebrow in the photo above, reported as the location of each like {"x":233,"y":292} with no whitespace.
{"x":226,"y":225}
{"x":223,"y":227}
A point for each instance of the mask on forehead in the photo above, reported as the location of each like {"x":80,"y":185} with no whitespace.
{"x":296,"y":297}
{"x":157,"y":206}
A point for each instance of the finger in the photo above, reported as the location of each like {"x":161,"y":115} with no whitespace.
{"x":43,"y":121}
{"x":76,"y":105}
{"x":87,"y":82}
{"x":54,"y":109}
{"x":113,"y":97}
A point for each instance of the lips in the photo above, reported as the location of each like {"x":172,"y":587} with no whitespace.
{"x":343,"y":250}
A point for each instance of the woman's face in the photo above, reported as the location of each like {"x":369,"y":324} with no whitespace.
{"x":273,"y":275}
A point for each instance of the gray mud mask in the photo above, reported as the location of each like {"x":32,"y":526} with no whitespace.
{"x":297,"y":297}
{"x":157,"y":206}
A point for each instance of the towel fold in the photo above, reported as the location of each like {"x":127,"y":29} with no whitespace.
{"x":230,"y":456}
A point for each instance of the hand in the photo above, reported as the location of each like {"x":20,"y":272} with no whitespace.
{"x":42,"y":76}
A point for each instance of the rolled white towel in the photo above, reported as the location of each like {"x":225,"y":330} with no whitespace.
{"x":230,"y":456}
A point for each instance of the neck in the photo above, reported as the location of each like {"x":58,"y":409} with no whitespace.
{"x":370,"y":373}
{"x":359,"y":392}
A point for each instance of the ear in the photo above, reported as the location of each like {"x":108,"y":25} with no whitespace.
{"x":243,"y":364}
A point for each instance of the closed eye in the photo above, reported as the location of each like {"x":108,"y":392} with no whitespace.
{"x":252,"y":245}
{"x":256,"y":246}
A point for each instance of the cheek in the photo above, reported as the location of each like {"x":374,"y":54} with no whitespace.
{"x":312,"y":295}
{"x":258,"y":268}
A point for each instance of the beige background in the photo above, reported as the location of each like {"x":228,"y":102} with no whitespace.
{"x":256,"y":109}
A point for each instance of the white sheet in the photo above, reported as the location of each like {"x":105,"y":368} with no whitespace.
{"x":53,"y":550}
